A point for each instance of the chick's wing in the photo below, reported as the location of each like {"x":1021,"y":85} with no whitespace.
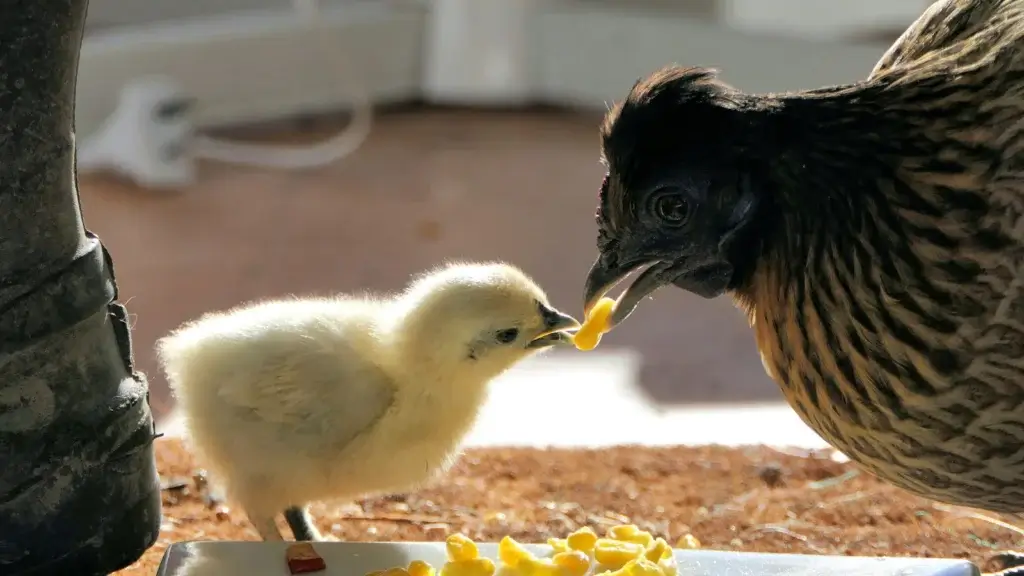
{"x":326,"y":383}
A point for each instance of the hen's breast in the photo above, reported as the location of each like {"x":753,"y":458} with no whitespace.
{"x":921,"y":384}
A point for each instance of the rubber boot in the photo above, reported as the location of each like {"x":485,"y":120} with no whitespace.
{"x":79,"y":492}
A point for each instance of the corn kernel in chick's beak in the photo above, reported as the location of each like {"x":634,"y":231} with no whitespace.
{"x":596,"y":324}
{"x":555,"y":325}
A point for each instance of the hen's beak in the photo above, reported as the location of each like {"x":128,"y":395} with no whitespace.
{"x":556,"y":324}
{"x":603,"y":277}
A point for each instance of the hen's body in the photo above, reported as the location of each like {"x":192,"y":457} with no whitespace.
{"x":891,"y":308}
{"x":873,"y":233}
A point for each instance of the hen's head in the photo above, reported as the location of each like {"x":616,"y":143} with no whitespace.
{"x":490,"y":315}
{"x":681,"y":189}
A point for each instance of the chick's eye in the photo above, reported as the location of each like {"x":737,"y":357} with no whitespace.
{"x":671,"y":208}
{"x":508,"y":336}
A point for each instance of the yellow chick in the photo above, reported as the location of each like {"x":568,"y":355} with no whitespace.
{"x":297,"y":400}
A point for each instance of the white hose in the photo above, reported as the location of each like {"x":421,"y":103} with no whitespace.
{"x":295,"y":157}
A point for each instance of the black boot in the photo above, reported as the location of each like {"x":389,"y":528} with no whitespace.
{"x":1011,"y":563}
{"x":78,"y":487}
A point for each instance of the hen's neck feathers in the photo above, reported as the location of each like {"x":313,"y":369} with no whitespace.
{"x":905,"y":157}
{"x":887,"y":168}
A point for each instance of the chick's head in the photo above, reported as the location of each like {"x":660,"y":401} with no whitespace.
{"x":489,"y":314}
{"x":682,"y":190}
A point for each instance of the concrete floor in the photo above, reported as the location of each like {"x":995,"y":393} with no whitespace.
{"x":427,"y":186}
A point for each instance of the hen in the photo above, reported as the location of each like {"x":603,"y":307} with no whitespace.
{"x":872,"y":232}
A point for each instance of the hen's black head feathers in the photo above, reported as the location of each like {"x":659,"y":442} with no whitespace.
{"x":680,"y":138}
{"x":671,"y":121}
{"x":674,"y":113}
{"x":674,"y":96}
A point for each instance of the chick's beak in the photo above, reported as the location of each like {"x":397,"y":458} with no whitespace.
{"x":555,"y":324}
{"x":603,"y":276}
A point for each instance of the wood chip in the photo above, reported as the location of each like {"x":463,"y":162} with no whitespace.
{"x":717,"y":494}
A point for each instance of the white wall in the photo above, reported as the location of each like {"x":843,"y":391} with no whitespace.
{"x":819,"y":19}
{"x":112,"y":13}
{"x":246,"y":66}
{"x":595,"y":56}
{"x":802,"y":18}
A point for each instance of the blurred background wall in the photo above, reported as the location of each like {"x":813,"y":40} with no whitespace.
{"x":483,"y":145}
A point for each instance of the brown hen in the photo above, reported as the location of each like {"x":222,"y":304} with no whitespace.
{"x":873,"y":233}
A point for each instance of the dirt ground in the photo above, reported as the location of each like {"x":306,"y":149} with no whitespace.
{"x":748,"y":499}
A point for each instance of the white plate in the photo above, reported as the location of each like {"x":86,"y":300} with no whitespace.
{"x":358,"y":558}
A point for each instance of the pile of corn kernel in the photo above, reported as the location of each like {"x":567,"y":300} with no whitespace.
{"x":625,"y":551}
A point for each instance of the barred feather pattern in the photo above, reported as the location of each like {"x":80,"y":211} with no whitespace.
{"x":889,"y":306}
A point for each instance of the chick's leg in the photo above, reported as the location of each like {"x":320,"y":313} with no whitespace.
{"x":265,"y":526}
{"x":301,"y":523}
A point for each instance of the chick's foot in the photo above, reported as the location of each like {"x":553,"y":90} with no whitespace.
{"x":1011,"y":563}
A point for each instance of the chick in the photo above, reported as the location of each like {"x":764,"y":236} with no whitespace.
{"x":871,"y":232}
{"x":293,"y":401}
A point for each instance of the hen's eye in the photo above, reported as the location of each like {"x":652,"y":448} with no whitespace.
{"x":672,"y":208}
{"x":508,"y":336}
